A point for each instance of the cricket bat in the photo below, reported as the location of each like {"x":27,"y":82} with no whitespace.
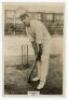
{"x":31,"y":72}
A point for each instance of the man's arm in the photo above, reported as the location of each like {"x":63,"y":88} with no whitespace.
{"x":34,"y":45}
{"x":39,"y":52}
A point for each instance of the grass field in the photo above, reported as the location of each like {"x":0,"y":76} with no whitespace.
{"x":16,"y":80}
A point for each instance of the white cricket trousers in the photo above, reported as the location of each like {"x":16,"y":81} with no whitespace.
{"x":43,"y":66}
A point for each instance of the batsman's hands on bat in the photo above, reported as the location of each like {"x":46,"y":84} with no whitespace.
{"x":39,"y":52}
{"x":35,"y":47}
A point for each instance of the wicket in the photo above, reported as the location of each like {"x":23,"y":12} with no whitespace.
{"x":25,"y":60}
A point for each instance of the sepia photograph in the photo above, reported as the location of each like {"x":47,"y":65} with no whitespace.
{"x":33,"y":48}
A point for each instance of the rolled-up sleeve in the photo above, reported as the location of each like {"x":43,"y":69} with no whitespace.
{"x":39,"y":29}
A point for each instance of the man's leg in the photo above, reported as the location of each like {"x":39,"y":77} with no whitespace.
{"x":38,"y":65}
{"x":43,"y":73}
{"x":44,"y":66}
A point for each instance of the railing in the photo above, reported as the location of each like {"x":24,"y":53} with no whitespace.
{"x":53,"y":21}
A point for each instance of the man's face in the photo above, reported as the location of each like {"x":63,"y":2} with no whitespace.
{"x":26,"y":20}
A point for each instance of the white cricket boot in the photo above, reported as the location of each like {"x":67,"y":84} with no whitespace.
{"x":35,"y":79}
{"x":40,"y":86}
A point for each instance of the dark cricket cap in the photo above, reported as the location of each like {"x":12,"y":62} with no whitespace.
{"x":23,"y":16}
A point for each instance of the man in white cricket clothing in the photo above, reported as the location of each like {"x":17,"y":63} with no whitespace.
{"x":39,"y":34}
